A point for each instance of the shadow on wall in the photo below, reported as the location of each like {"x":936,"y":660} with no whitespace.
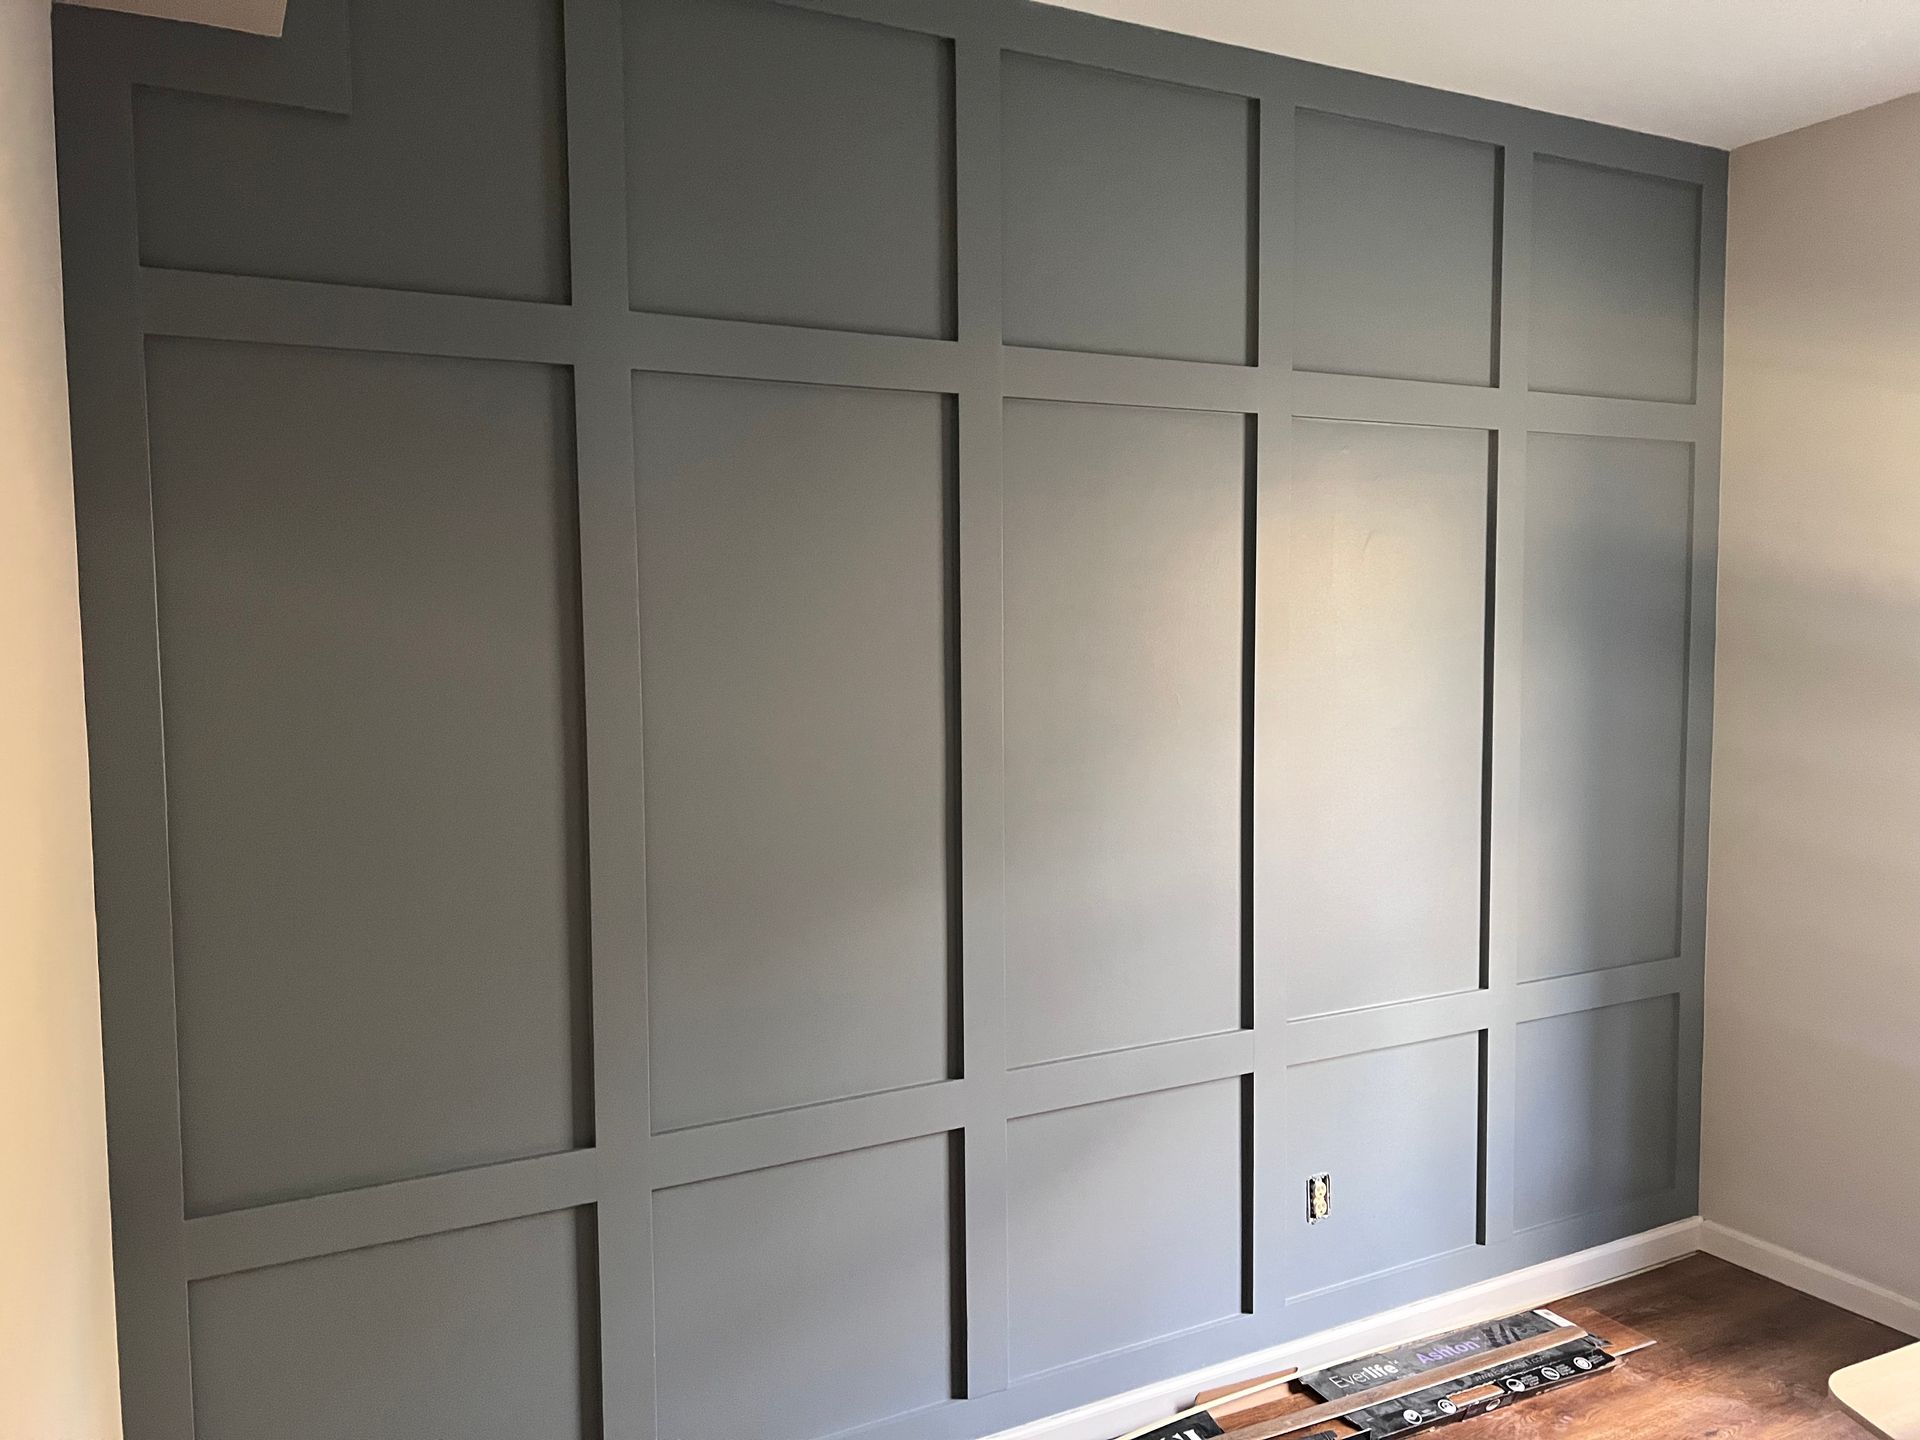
{"x":1813,"y":1071}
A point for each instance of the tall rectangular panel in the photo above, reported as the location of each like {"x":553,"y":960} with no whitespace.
{"x":795,"y":574}
{"x":1398,"y":1132}
{"x":1596,"y":1110}
{"x":789,"y":167}
{"x":1603,"y":740}
{"x":1129,"y":212}
{"x":370,"y":651}
{"x":449,"y":175}
{"x":1616,"y":261}
{"x":808,"y":1299}
{"x":1396,"y":251}
{"x":1125,"y":661}
{"x":484,"y":1334}
{"x":1110,"y":1241}
{"x":1385,"y":590}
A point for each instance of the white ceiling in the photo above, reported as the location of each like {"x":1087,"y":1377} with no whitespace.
{"x":1720,"y":72}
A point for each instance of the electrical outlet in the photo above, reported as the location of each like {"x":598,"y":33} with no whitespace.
{"x":1319,"y":1198}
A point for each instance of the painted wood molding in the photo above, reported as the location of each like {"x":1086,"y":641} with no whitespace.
{"x":1812,"y":1277}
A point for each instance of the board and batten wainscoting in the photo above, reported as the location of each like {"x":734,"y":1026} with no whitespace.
{"x":793,"y":700}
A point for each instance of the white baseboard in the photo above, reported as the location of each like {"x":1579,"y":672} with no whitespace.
{"x":1821,"y":1281}
{"x":1519,"y":1290}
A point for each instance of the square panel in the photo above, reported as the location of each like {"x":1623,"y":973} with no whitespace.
{"x":1385,"y":590}
{"x":811,"y":1298}
{"x":447,"y":176}
{"x":789,"y":167}
{"x":1396,"y":261}
{"x":1124,"y":676}
{"x":370,"y":657}
{"x":1129,"y":214}
{"x":1107,"y":1246}
{"x":1596,"y":1109}
{"x":1398,"y":1130}
{"x":487,"y":1334}
{"x":795,"y":570}
{"x":1604,"y":715}
{"x":1616,"y":263}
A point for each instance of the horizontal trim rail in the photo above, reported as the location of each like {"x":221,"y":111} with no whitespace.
{"x":1318,"y":396}
{"x":749,"y":350}
{"x":382,"y":1214}
{"x":1117,"y":1074}
{"x":1597,"y":989}
{"x":1385,"y":1027}
{"x":757,"y":1142}
{"x":261,"y":310}
{"x":1076,"y":375}
{"x":1549,"y":412}
{"x":254,"y":309}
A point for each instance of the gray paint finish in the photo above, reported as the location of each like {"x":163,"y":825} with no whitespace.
{"x":808,"y":1299}
{"x":1596,"y":1116}
{"x":1128,"y":214}
{"x":794,"y":610}
{"x":1125,"y":537}
{"x":789,"y":167}
{"x":366,"y":571}
{"x":484,"y":1334}
{"x":1395,"y":254}
{"x":1386,"y":590}
{"x":451,"y":175}
{"x":889,"y":685}
{"x":1608,"y":554}
{"x":1616,"y":266}
{"x":1399,"y":1131}
{"x":1124,"y":1222}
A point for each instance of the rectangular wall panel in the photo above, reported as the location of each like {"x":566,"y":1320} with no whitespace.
{"x":794,"y":614}
{"x":1609,"y":544}
{"x":1616,"y":260}
{"x":370,"y":647}
{"x":1398,"y":1132}
{"x":1396,"y":236}
{"x":789,"y":167}
{"x":1125,"y":536}
{"x":441,"y":182}
{"x":808,"y":1299}
{"x":1596,"y":1109}
{"x":486,"y":1333}
{"x":1385,"y":589}
{"x":1114,"y":1237}
{"x":1129,"y":213}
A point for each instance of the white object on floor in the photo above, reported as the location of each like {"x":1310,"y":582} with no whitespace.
{"x":1883,"y":1394}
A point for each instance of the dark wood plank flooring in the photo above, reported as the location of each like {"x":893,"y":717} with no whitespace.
{"x":1739,"y":1358}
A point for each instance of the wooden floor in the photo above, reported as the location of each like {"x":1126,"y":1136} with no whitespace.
{"x":1739,"y":1357}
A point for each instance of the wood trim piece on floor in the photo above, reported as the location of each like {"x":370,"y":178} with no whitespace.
{"x":1811,"y":1277}
{"x":1503,"y":1294}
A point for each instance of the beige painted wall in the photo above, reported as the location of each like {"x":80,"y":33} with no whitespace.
{"x":57,"y":1369}
{"x":1812,"y":1126}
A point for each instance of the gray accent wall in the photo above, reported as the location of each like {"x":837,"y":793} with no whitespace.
{"x":791,"y":701}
